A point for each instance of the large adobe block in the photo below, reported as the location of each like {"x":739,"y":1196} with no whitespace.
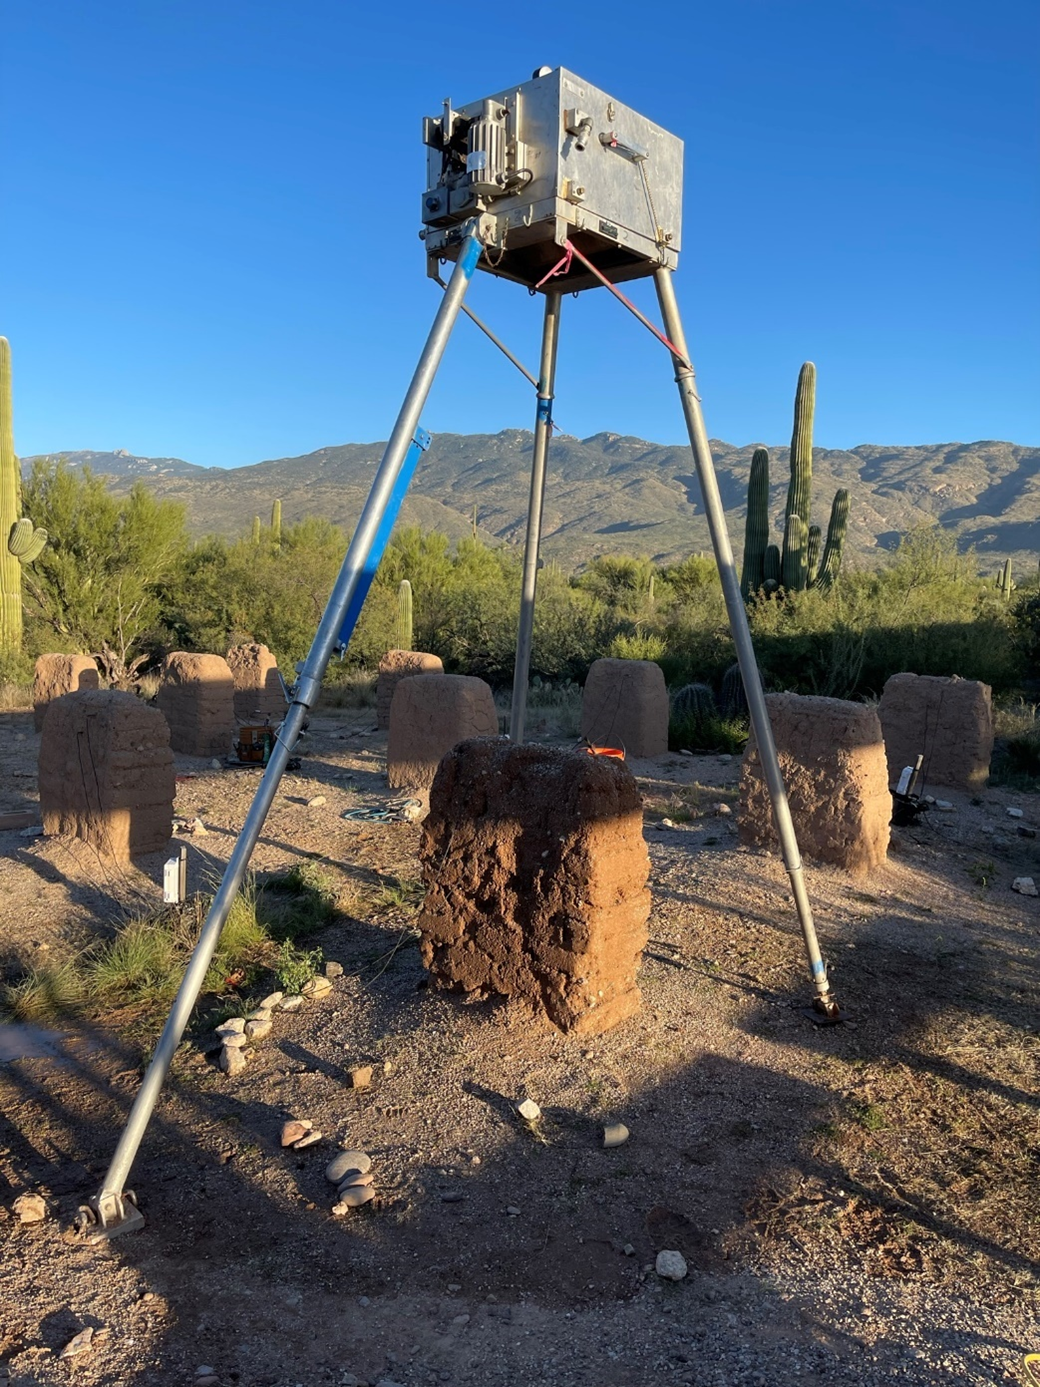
{"x":197,"y":698}
{"x":625,"y":704}
{"x":833,"y":762}
{"x":430,"y":714}
{"x":536,"y":881}
{"x":60,"y":674}
{"x":395,"y":666}
{"x":106,"y":773}
{"x":259,"y":696}
{"x":949,"y":720}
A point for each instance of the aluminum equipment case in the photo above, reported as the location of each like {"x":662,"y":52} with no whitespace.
{"x":550,"y":160}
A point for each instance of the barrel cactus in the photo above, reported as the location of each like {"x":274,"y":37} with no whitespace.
{"x":732,"y":699}
{"x":695,"y":702}
{"x":799,"y":565}
{"x":20,"y":540}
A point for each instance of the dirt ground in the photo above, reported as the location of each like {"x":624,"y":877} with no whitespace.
{"x":857,"y":1204}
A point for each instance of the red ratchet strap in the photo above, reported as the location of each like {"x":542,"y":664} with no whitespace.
{"x":560,"y":268}
{"x":573,"y":250}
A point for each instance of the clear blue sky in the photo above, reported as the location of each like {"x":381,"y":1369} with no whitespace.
{"x":208,"y":247}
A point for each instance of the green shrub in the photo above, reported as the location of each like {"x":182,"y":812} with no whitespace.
{"x":637,"y":646}
{"x":294,"y":967}
{"x":709,"y":733}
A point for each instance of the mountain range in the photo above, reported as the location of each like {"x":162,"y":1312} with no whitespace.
{"x":616,"y":494}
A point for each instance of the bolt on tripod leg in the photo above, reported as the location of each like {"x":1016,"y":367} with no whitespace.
{"x":542,"y":435}
{"x":114,"y":1210}
{"x":684,"y":378}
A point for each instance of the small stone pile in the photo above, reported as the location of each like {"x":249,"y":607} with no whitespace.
{"x":239,"y":1031}
{"x":197,"y":698}
{"x":259,"y":696}
{"x":60,"y":674}
{"x":299,"y":1133}
{"x":350,"y":1172}
{"x":395,"y":666}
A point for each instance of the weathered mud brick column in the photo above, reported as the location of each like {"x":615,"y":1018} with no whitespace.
{"x":259,"y":696}
{"x":60,"y":674}
{"x":536,"y":881}
{"x":430,"y":714}
{"x":106,"y":773}
{"x":625,"y":704}
{"x":197,"y":698}
{"x":949,"y":720}
{"x":833,"y":761}
{"x":395,"y":666}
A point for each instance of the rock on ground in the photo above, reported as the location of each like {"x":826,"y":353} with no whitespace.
{"x":536,"y":881}
{"x":60,"y":674}
{"x":625,"y":704}
{"x":430,"y":714}
{"x":395,"y":666}
{"x":106,"y":773}
{"x":197,"y":698}
{"x":950,"y":721}
{"x":833,"y":762}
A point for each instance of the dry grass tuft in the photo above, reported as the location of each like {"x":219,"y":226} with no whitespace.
{"x":141,"y":968}
{"x":15,"y":698}
{"x":350,"y":689}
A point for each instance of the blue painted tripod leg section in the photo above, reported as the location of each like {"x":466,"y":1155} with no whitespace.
{"x":420,"y":442}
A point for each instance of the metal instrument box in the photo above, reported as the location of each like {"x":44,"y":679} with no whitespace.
{"x":550,"y":160}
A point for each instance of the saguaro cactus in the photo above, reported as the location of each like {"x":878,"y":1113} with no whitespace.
{"x":794,"y":563}
{"x":812,"y":555}
{"x":1005,"y":582}
{"x":836,"y":530}
{"x":756,"y":528}
{"x":20,"y":541}
{"x":799,"y":565}
{"x":404,"y":615}
{"x":276,"y":524}
{"x":256,"y":529}
{"x":799,"y":491}
{"x":771,"y":567}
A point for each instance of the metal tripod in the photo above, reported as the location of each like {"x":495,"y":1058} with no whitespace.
{"x":114,"y":1209}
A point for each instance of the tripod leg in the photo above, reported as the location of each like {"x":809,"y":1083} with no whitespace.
{"x":742,"y":638}
{"x":542,"y":435}
{"x":109,"y":1213}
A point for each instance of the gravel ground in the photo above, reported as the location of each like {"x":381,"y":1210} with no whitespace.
{"x":853,"y":1202}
